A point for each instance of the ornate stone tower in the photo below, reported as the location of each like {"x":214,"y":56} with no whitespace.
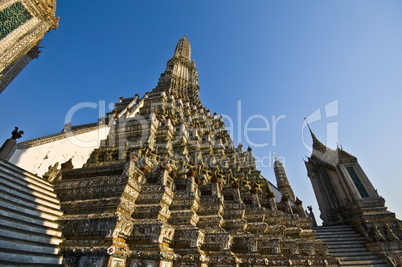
{"x":338,"y":181}
{"x":23,"y":23}
{"x":282,"y":180}
{"x":168,"y":188}
{"x":345,"y":195}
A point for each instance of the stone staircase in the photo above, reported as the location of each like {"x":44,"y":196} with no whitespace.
{"x":29,"y":211}
{"x":347,"y":245}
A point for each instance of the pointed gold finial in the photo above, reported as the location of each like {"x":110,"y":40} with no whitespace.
{"x":275,"y":156}
{"x":185,"y":36}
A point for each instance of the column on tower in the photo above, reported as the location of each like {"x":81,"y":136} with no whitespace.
{"x":282,"y":180}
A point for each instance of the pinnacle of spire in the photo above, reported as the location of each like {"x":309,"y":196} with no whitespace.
{"x":183,"y":48}
{"x":317,"y":145}
{"x":180,"y":77}
{"x":323,"y":152}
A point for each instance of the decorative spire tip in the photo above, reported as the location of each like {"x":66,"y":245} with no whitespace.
{"x":308,"y":125}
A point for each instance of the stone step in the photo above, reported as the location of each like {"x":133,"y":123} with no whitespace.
{"x":340,"y":230}
{"x":18,"y":189}
{"x":15,"y":168}
{"x":29,"y":210}
{"x":332,"y":243}
{"x":9,"y":255}
{"x":27,"y":246}
{"x":348,"y":253}
{"x":29,"y":198}
{"x":344,"y":247}
{"x":343,"y":241}
{"x":362,"y":262}
{"x":337,"y":233}
{"x":359,"y":257}
{"x":338,"y":237}
{"x":333,"y":228}
{"x":10,"y":232}
{"x":23,"y":177}
{"x":13,"y":180}
{"x":24,"y":217}
{"x":26,"y":264}
{"x":348,"y":246}
{"x":25,"y":207}
{"x":17,"y":224}
{"x":347,"y":250}
{"x":324,"y":227}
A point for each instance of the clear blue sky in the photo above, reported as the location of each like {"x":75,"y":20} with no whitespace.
{"x":277,"y":57}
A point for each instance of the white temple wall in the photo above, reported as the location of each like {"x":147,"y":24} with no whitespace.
{"x":79,"y":147}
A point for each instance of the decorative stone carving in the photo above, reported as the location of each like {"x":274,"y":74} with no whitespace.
{"x":52,"y":173}
{"x":16,"y":134}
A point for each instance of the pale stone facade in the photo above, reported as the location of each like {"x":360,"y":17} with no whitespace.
{"x":38,"y":154}
{"x":23,"y":25}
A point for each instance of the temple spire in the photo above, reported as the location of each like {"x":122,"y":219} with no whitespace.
{"x":317,"y":145}
{"x":282,"y":180}
{"x":180,"y":77}
{"x":183,"y":48}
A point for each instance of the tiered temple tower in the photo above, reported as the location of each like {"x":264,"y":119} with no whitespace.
{"x":164,"y":185}
{"x":23,"y":23}
{"x":167,"y":187}
{"x":346,"y":196}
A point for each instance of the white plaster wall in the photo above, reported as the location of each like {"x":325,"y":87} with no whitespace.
{"x":79,"y":147}
{"x":278,"y":195}
{"x":136,"y":109}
